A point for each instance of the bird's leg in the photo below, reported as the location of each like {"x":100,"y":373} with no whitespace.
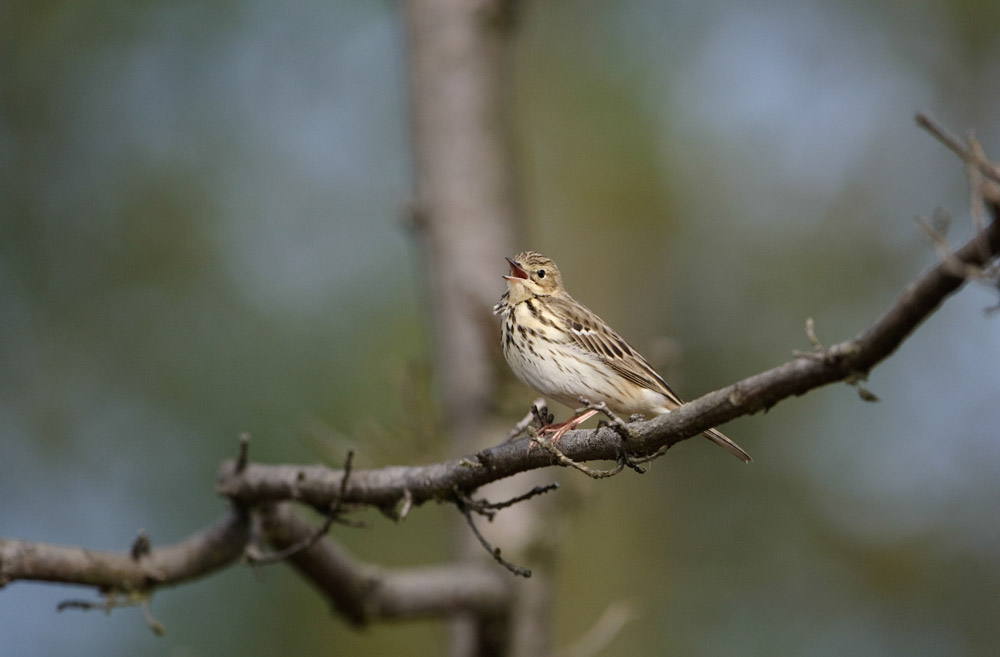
{"x":560,"y":429}
{"x":557,"y":429}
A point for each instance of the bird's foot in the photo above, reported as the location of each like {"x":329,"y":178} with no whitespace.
{"x":560,"y":429}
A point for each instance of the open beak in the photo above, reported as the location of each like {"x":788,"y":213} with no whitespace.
{"x":516,"y":271}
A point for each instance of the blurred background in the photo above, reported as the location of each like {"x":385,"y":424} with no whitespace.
{"x":202,"y":232}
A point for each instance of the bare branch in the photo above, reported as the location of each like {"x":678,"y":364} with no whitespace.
{"x":114,"y":600}
{"x":847,"y":361}
{"x":127,"y":571}
{"x":537,"y":490}
{"x":363,"y":592}
{"x":493,"y":551}
{"x":561,"y":458}
{"x":955,"y":145}
{"x":244,"y":454}
{"x":332,"y":515}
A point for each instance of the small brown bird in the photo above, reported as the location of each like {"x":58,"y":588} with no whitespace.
{"x":555,"y":345}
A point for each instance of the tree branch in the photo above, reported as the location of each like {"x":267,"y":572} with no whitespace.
{"x":358,"y":591}
{"x":364,"y":592}
{"x":466,"y":211}
{"x":319,"y":486}
{"x":130,"y":571}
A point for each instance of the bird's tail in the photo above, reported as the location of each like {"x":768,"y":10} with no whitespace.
{"x":725,"y":443}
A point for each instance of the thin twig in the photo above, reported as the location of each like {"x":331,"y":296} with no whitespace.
{"x":979,"y":189}
{"x":537,"y":490}
{"x":602,"y":407}
{"x":494,"y":551}
{"x":86,"y":605}
{"x":244,"y":453}
{"x":256,"y":559}
{"x":811,"y":334}
{"x":561,"y":457}
{"x":406,"y":505}
{"x":614,"y":422}
{"x":955,"y":145}
{"x":976,"y":206}
{"x":117,"y":600}
{"x":158,"y":628}
{"x":332,"y":516}
{"x":937,"y":231}
{"x":634,"y":461}
{"x":140,"y":546}
{"x":855,"y":380}
{"x":817,"y":352}
{"x":365,"y":592}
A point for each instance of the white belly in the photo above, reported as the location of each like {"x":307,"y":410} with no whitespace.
{"x":562,"y":371}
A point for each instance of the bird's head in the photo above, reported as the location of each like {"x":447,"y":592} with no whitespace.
{"x":532,"y":275}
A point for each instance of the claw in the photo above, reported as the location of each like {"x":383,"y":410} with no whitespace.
{"x":559,"y":430}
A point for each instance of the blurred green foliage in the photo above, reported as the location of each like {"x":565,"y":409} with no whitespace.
{"x":200,"y":235}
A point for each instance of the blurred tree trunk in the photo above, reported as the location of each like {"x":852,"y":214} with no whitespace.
{"x":466,"y":204}
{"x":467,"y":211}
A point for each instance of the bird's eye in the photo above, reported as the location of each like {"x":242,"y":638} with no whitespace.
{"x":541,"y":273}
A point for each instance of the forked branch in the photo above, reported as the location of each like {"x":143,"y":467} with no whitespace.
{"x":849,"y":361}
{"x":362,"y":592}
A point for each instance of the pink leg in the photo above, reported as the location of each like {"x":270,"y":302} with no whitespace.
{"x":558,"y":430}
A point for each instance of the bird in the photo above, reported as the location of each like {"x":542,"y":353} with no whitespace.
{"x":559,"y":347}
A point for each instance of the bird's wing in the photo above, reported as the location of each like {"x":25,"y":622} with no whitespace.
{"x":593,"y":336}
